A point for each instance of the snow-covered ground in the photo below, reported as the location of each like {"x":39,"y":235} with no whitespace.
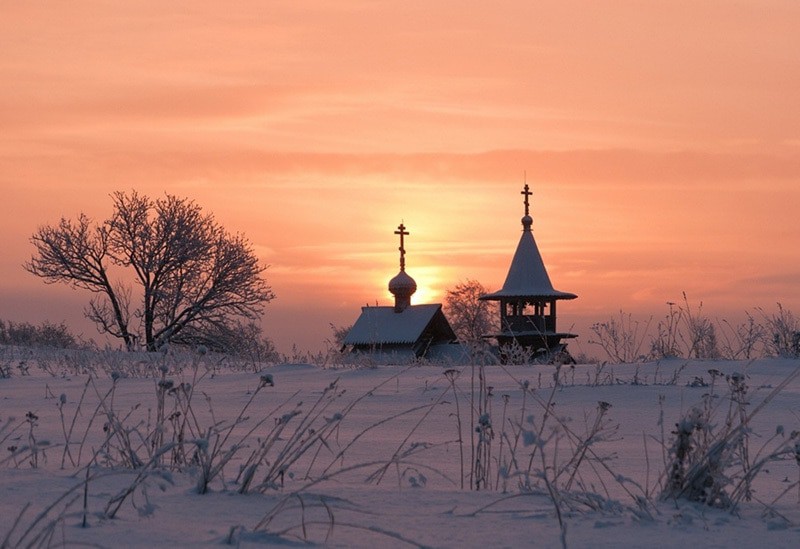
{"x":383,"y":463}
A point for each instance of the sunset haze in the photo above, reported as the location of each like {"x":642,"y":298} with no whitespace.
{"x":661,"y":141}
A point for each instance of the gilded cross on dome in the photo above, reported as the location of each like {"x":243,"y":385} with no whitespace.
{"x":401,"y":230}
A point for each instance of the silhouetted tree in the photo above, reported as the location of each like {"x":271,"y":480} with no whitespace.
{"x":193,"y":275}
{"x":470,"y":318}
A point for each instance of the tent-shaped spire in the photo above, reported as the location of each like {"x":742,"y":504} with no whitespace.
{"x":527,"y":276}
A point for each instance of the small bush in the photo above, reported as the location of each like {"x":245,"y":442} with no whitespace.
{"x":46,"y":334}
{"x":782,"y":337}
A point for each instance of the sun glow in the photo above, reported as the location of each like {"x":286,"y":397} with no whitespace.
{"x":425,"y":294}
{"x":317,"y":149}
{"x":431,"y":286}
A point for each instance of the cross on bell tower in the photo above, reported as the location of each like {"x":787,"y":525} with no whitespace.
{"x":527,"y":192}
{"x":527,"y":220}
{"x":401,"y":230}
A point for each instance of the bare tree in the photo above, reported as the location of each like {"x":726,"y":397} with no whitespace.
{"x":470,"y":318}
{"x":78,"y":254}
{"x":193,"y":274}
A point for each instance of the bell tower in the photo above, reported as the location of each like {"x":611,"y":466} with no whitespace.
{"x":528,"y":299}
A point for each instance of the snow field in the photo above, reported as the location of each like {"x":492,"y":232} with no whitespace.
{"x":388,"y":471}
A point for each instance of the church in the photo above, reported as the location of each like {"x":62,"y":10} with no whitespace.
{"x":527,"y":314}
{"x":404,"y":332}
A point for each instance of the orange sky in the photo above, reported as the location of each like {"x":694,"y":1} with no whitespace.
{"x":661,"y":140}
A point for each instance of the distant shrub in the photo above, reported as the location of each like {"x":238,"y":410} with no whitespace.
{"x":244,"y":340}
{"x":46,"y":334}
{"x":782,"y":333}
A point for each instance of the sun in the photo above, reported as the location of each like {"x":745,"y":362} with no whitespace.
{"x":424,"y":294}
{"x":429,"y":280}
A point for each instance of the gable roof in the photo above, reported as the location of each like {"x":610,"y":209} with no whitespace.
{"x":384,"y":326}
{"x":527,"y":276}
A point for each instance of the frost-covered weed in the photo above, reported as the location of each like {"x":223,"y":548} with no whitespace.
{"x":709,"y":460}
{"x":540,"y":452}
{"x":685,"y":332}
{"x":621,"y":337}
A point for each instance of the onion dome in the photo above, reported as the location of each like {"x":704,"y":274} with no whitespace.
{"x":402,"y":285}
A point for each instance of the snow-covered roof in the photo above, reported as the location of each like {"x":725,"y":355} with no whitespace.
{"x":384,"y":326}
{"x":527,"y":276}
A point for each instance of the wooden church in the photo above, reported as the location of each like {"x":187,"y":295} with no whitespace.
{"x":403,"y":332}
{"x":528,"y":300}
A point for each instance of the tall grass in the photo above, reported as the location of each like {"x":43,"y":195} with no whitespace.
{"x":687,"y":332}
